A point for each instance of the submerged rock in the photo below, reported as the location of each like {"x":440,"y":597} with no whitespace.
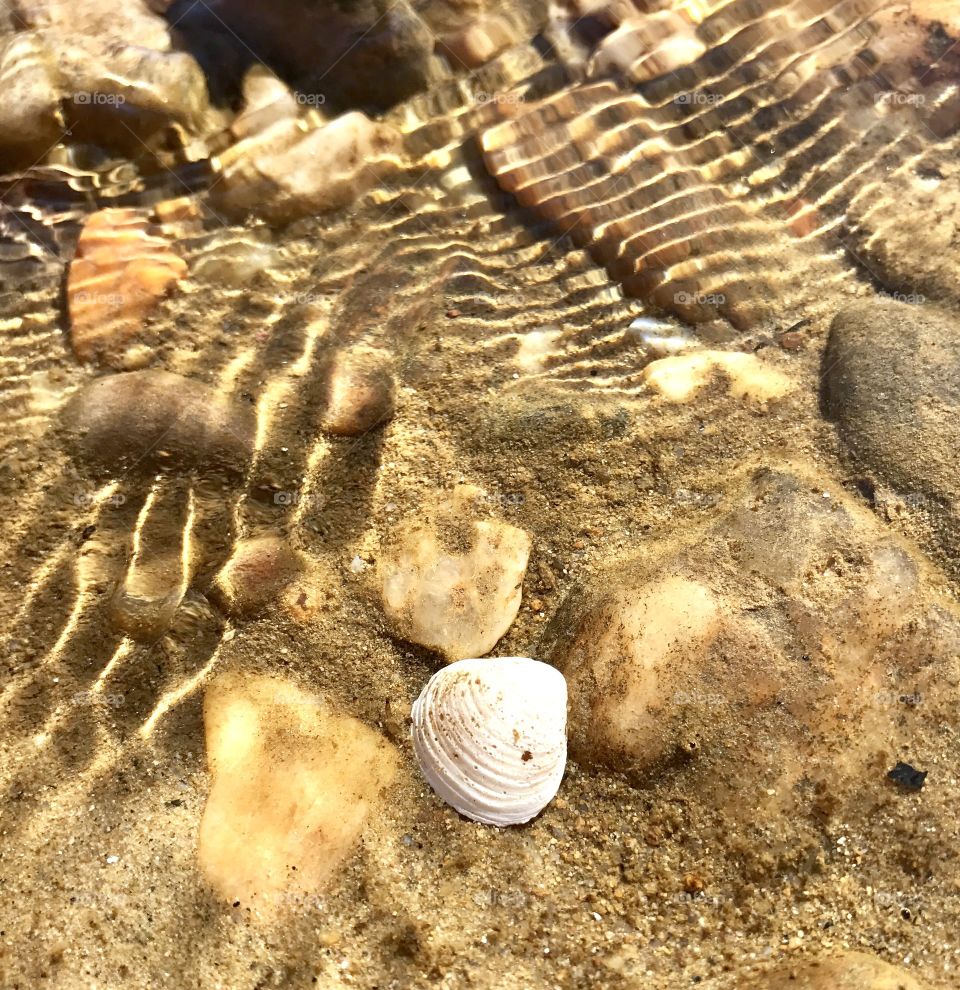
{"x":30,"y":115}
{"x":641,"y":673}
{"x":369,"y":53}
{"x":359,"y":392}
{"x":842,"y":971}
{"x":112,"y":72}
{"x":293,"y":784}
{"x":644,"y":46}
{"x":266,"y":100}
{"x":891,"y":380}
{"x":783,"y":604}
{"x":149,"y":420}
{"x":146,"y":600}
{"x":120,"y":272}
{"x":255,"y":575}
{"x":457,"y":600}
{"x":289,"y":170}
{"x":680,"y":377}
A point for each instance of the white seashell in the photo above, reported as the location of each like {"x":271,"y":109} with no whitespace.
{"x":491,"y":737}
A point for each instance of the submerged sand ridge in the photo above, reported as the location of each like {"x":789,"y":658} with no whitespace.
{"x":562,"y":380}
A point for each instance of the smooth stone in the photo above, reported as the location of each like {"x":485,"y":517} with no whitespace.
{"x":365,"y":53}
{"x":458,"y":602}
{"x":478,"y":43}
{"x":842,"y":971}
{"x":681,"y":650}
{"x":681,"y":377}
{"x":150,"y":420}
{"x":289,"y":171}
{"x":891,"y":381}
{"x":120,"y":80}
{"x":266,"y":100}
{"x":30,"y":115}
{"x":359,"y":392}
{"x":294,"y":782}
{"x":144,"y":603}
{"x":628,"y":660}
{"x":235,"y":264}
{"x":645,"y":46}
{"x":255,"y":576}
{"x":913,"y":254}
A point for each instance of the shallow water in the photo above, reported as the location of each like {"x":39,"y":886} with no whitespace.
{"x":610,"y":306}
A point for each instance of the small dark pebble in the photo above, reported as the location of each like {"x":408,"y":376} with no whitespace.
{"x":907,"y":777}
{"x":792,"y":340}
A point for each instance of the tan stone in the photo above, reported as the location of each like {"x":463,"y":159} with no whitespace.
{"x":844,"y":971}
{"x":680,"y":377}
{"x":256,"y":575}
{"x":461,"y":601}
{"x":630,"y":660}
{"x":293,"y":784}
{"x":359,"y":392}
{"x":291,"y":170}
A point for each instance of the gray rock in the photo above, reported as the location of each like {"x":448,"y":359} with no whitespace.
{"x":365,"y":53}
{"x":891,"y":380}
{"x":149,"y":420}
{"x":100,"y":73}
{"x":30,"y":117}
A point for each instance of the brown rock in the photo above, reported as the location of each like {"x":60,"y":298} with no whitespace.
{"x":255,"y":575}
{"x":148,"y":420}
{"x":370,"y":53}
{"x":359,"y":392}
{"x":478,"y":43}
{"x":120,"y":271}
{"x":289,"y":171}
{"x":119,"y":81}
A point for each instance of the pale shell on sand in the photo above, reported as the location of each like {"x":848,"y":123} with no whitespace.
{"x":490,"y":737}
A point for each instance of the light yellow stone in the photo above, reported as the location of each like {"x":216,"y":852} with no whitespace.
{"x":844,"y":971}
{"x":456,"y":603}
{"x":631,"y":659}
{"x":536,"y":347}
{"x":680,"y":377}
{"x":291,"y":169}
{"x":293,"y":784}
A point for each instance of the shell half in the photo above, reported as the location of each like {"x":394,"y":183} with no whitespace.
{"x":491,"y":737}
